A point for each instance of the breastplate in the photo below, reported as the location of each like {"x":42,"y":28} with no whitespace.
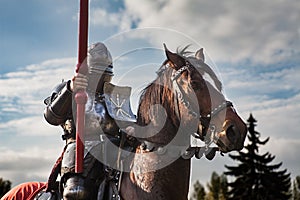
{"x":97,"y":119}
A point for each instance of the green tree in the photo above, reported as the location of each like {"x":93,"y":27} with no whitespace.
{"x":296,"y":188}
{"x":256,"y":178}
{"x":5,"y":186}
{"x":218,"y":187}
{"x":199,"y":192}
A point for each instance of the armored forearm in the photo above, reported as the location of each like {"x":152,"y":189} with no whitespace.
{"x":59,"y":105}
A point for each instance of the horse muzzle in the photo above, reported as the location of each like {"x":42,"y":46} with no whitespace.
{"x":232,"y":137}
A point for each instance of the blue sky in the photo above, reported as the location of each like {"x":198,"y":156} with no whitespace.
{"x":254,"y":49}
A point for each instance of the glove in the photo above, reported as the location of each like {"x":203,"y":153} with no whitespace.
{"x":79,"y":82}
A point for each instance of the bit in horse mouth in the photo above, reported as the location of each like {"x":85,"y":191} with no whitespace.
{"x":222,"y":147}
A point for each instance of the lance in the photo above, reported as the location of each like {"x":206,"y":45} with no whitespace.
{"x":81,"y":96}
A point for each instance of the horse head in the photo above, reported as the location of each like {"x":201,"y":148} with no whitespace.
{"x":200,"y":100}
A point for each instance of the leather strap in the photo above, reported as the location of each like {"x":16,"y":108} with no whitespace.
{"x":54,"y":173}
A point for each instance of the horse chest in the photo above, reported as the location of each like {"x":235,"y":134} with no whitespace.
{"x":160,"y":184}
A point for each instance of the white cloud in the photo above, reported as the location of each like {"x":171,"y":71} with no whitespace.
{"x":23,"y":92}
{"x":29,"y":126}
{"x":279,"y":118}
{"x":35,"y":78}
{"x":230,"y":31}
{"x":100,"y":17}
{"x":262,"y":83}
{"x":27,"y":87}
{"x":32,"y":163}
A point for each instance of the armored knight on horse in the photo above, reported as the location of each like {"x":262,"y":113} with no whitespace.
{"x":106,"y":118}
{"x":98,"y":122}
{"x":101,"y":128}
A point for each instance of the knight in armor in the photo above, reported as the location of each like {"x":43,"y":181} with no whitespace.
{"x":101,"y":127}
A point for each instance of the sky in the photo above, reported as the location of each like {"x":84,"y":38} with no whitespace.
{"x":252,"y":45}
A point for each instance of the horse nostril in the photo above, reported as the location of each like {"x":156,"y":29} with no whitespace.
{"x":231,"y":133}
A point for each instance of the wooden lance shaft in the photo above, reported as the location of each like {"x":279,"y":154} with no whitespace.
{"x":81,"y":96}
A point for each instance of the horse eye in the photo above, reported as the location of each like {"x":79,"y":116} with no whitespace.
{"x":194,"y":83}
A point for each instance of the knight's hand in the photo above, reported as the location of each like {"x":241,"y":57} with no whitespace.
{"x":79,"y":82}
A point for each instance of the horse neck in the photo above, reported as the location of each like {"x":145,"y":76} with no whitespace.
{"x":156,"y":112}
{"x":148,"y":179}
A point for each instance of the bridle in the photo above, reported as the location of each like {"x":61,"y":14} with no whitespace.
{"x":209,"y":132}
{"x":204,"y":120}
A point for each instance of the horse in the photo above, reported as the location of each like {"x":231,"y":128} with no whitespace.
{"x":179,"y":104}
{"x":192,"y":105}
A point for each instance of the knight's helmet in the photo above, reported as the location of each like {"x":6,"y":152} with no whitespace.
{"x":100,"y":66}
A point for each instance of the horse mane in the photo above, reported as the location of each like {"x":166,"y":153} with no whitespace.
{"x":183,"y":51}
{"x":160,"y":92}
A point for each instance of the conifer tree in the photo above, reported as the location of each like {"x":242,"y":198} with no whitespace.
{"x":199,"y":192}
{"x":218,"y":187}
{"x":5,"y":186}
{"x":255,"y":177}
{"x":296,"y":188}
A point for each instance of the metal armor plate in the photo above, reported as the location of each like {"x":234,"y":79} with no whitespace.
{"x":117,"y":100}
{"x":97,"y":119}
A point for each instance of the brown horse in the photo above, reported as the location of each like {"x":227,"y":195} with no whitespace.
{"x":177,"y":104}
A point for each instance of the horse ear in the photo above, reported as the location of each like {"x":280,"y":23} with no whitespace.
{"x":176,"y":59}
{"x":199,"y":55}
